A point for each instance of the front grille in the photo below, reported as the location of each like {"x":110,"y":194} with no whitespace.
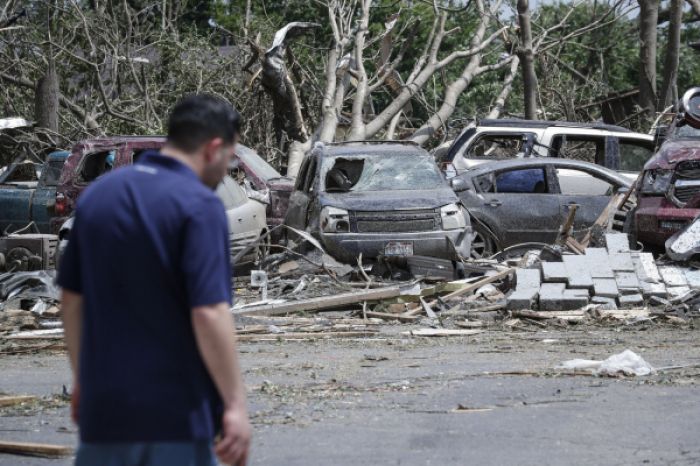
{"x":401,"y":221}
{"x":686,"y":193}
{"x":689,"y":170}
{"x":686,"y":190}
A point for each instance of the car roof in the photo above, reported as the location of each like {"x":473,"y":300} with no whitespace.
{"x":497,"y":165}
{"x":518,"y":123}
{"x":369,"y":147}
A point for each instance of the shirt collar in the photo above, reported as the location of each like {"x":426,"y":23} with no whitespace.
{"x":155,"y":158}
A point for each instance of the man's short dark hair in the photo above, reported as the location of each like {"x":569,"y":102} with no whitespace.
{"x":199,"y":118}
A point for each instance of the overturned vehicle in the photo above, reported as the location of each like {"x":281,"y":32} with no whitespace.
{"x":668,"y":197}
{"x":378,"y":199}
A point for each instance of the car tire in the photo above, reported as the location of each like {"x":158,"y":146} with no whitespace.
{"x":483,"y":244}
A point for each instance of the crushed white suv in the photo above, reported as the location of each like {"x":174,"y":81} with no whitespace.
{"x":611,"y":146}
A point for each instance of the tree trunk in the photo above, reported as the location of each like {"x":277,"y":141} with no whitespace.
{"x":527,"y":60}
{"x":46,"y":100}
{"x":671,"y":58}
{"x":648,"y":17}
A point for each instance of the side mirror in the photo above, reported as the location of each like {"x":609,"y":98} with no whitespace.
{"x":458,"y":185}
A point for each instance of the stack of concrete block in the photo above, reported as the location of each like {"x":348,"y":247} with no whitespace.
{"x":612,"y":276}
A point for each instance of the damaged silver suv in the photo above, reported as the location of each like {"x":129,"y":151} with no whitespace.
{"x":378,"y":198}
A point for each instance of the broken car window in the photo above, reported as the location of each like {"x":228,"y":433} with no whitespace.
{"x":20,"y":172}
{"x":96,"y":164}
{"x":527,"y":180}
{"x":497,"y":146}
{"x":52,"y":173}
{"x":634,"y":154}
{"x":589,"y":149}
{"x":381,"y":172}
{"x":344,"y":175}
{"x":230,"y":193}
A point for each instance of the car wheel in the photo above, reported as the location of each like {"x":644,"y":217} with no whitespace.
{"x":483,"y":245}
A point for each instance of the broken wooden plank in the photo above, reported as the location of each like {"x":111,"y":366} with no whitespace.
{"x":428,"y":310}
{"x":442,"y":332}
{"x":320,"y":304}
{"x":304,"y":335}
{"x":15,"y":400}
{"x":389,"y":316}
{"x":532,"y":314}
{"x":43,"y":450}
{"x":476,"y":285}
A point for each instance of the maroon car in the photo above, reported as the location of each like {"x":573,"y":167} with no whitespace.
{"x":93,"y":157}
{"x":668,"y":198}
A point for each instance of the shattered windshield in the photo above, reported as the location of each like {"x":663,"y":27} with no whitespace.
{"x":381,"y":172}
{"x":52,"y":173}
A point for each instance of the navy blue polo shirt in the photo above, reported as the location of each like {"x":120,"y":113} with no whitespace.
{"x":149,"y":243}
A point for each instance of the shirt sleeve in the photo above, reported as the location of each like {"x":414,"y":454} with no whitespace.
{"x":206,"y":257}
{"x":69,"y":267}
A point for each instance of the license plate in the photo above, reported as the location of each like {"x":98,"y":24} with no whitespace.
{"x":672,"y":225}
{"x":398,"y":248}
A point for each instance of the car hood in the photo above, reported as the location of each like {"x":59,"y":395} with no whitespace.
{"x":672,"y":152}
{"x":389,"y":200}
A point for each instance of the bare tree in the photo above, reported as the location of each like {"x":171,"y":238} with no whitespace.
{"x":527,"y":60}
{"x":648,"y":18}
{"x":669,"y":89}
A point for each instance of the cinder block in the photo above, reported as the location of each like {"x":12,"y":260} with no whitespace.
{"x":577,"y":267}
{"x":631,"y":300}
{"x":617,"y":242}
{"x":528,"y":279}
{"x":645,"y":266}
{"x":621,"y":262}
{"x":627,"y":281}
{"x":522,"y":299}
{"x":606,"y":287}
{"x":551,"y":295}
{"x":554,"y":272}
{"x":692,"y":276}
{"x":574,"y":299}
{"x":673,"y":276}
{"x":675,"y":292}
{"x":599,"y":263}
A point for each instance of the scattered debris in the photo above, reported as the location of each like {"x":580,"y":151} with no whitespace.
{"x":35,"y":449}
{"x":14,"y":400}
{"x":626,"y":363}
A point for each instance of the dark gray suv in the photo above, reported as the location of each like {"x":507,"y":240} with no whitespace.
{"x":378,"y":198}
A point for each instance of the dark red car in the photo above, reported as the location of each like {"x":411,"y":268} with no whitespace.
{"x":668,"y":198}
{"x":93,"y":157}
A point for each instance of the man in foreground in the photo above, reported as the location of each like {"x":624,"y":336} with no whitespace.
{"x":146,"y":285}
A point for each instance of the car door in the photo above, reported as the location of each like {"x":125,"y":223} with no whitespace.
{"x":299,"y":201}
{"x":518,"y":204}
{"x":246,"y":217}
{"x":589,"y":190}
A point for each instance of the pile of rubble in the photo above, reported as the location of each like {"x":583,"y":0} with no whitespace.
{"x":612,"y":277}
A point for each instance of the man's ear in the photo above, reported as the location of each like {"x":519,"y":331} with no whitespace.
{"x":212,"y":148}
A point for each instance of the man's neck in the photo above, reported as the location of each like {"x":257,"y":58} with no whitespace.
{"x":188,"y":160}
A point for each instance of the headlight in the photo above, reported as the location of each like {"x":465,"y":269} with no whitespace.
{"x":334,"y":220}
{"x":656,"y":181}
{"x":453,"y":217}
